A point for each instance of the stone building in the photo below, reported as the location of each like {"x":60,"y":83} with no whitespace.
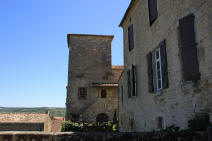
{"x":92,"y":91}
{"x":25,"y":122}
{"x":167,"y":76}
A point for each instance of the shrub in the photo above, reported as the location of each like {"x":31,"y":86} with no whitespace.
{"x":169,"y":129}
{"x":85,"y":127}
{"x":199,"y":123}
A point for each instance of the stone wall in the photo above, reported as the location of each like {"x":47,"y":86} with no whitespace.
{"x":181,"y":101}
{"x":38,"y":136}
{"x":90,"y":62}
{"x":22,"y":126}
{"x":23,"y":122}
{"x":106,"y":105}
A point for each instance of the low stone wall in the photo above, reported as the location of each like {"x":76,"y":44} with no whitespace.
{"x":41,"y":136}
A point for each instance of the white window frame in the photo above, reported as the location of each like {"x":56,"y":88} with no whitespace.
{"x":157,"y":70}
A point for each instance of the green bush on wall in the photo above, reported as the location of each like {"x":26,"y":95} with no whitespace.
{"x":199,"y":123}
{"x":69,"y":126}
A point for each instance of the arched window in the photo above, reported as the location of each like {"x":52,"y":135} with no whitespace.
{"x":102,"y":118}
{"x":103,"y":93}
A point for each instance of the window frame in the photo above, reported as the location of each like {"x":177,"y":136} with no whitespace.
{"x":105,"y":92}
{"x":82,"y":92}
{"x":158,"y":60}
{"x":160,"y":123}
{"x":131,"y":41}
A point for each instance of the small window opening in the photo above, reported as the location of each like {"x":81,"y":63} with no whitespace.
{"x":103,"y":93}
{"x":160,"y":123}
{"x":82,"y":93}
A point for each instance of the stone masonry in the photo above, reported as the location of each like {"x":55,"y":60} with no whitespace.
{"x":182,"y":100}
{"x":92,"y":81}
{"x":25,"y":122}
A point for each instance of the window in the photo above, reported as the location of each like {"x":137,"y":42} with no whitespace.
{"x":134,"y":92}
{"x":153,"y":12}
{"x":103,"y":94}
{"x":129,"y":83}
{"x":158,"y":70}
{"x":82,"y":93}
{"x":150,"y":73}
{"x":160,"y":123}
{"x":160,"y":73}
{"x":132,"y":82}
{"x":188,"y":43}
{"x":130,"y":37}
{"x":122,"y":94}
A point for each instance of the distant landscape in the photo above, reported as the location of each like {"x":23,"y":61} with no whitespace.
{"x":55,"y":111}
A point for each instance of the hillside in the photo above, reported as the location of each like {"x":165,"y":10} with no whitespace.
{"x":54,"y":111}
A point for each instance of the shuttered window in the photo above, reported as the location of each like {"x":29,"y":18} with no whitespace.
{"x":164,"y":67}
{"x":161,"y":67}
{"x":130,"y":37}
{"x":153,"y":12}
{"x":158,"y":73}
{"x":122,"y":94}
{"x":150,"y":72}
{"x":129,"y":83}
{"x":189,"y":56}
{"x":134,"y":80}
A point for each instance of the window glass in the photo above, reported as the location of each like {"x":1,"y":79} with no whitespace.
{"x":158,"y":70}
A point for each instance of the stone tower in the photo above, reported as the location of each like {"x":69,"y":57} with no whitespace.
{"x":89,"y":66}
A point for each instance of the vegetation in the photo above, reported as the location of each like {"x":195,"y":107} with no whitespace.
{"x":54,"y":111}
{"x":199,"y":123}
{"x":85,"y":127}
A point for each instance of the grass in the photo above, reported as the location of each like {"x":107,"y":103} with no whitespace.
{"x":54,"y":111}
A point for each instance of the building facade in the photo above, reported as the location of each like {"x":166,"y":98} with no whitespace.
{"x":92,"y":91}
{"x":25,"y":122}
{"x":167,"y":76}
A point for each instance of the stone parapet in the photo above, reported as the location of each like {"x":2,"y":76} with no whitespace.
{"x":94,"y":136}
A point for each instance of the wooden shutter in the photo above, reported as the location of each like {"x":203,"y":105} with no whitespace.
{"x":122,"y":94}
{"x":153,"y":12}
{"x":130,"y":37}
{"x":189,"y":49}
{"x":134,"y":80}
{"x":150,"y":72}
{"x":129,"y":83}
{"x":164,"y":67}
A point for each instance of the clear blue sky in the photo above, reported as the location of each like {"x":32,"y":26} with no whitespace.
{"x":33,"y":45}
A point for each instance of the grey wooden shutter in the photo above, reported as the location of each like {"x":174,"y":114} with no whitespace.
{"x":189,"y":49}
{"x":122,"y":94}
{"x":150,"y":72}
{"x":129,"y":83}
{"x":131,"y":37}
{"x":134,"y":80}
{"x":164,"y":66}
{"x":153,"y":12}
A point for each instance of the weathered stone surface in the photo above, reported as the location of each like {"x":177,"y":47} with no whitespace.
{"x":181,"y":101}
{"x":107,"y":136}
{"x":90,"y":62}
{"x":25,"y":122}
